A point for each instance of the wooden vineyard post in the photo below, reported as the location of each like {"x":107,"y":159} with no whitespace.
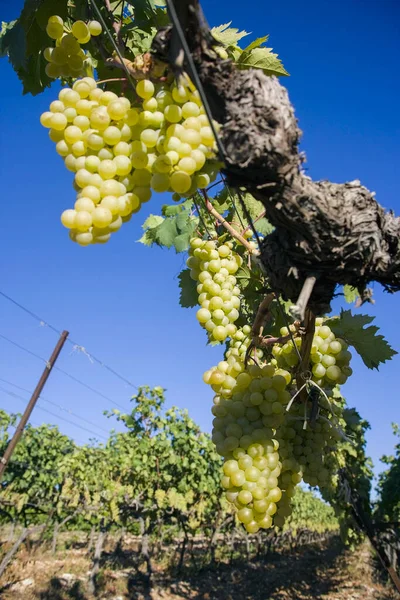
{"x":31,"y":404}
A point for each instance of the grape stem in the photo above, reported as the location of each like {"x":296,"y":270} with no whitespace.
{"x":260,"y":216}
{"x":305,"y":350}
{"x":227,"y":226}
{"x":112,"y":79}
{"x":298,"y":310}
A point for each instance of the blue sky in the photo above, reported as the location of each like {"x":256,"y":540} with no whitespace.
{"x":120,"y":301}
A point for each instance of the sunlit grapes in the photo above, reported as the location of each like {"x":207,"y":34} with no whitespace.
{"x":129,"y":149}
{"x":66,"y":58}
{"x":213,"y":265}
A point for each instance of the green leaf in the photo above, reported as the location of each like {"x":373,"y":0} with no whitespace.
{"x":228,"y":36}
{"x":372,"y":348}
{"x":148,"y":238}
{"x":188,"y":296}
{"x":181,"y":242}
{"x":5,"y":27}
{"x":350,"y":294}
{"x":264,"y":227}
{"x":15,"y":42}
{"x":256,"y":44}
{"x":166,"y":233}
{"x":222,"y":201}
{"x":152,"y":221}
{"x":262,"y":58}
{"x":171,"y":210}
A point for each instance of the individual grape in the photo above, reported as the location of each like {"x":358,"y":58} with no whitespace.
{"x":72,"y":134}
{"x":107,"y":169}
{"x":149,"y":137}
{"x":71,"y":98}
{"x":95,"y":28}
{"x":57,"y":106}
{"x":187,"y":165}
{"x":101,"y":217}
{"x":59,"y":56}
{"x":173,"y":113}
{"x":190,"y":109}
{"x":180,"y":182}
{"x":99,"y":118}
{"x":117,"y":110}
{"x":112,"y":135}
{"x":143,"y":193}
{"x":70,"y":44}
{"x":80,"y":30}
{"x":68,"y":218}
{"x":47,"y":53}
{"x":46,"y":119}
{"x":145,"y":89}
{"x":54,"y":29}
{"x":83,"y":220}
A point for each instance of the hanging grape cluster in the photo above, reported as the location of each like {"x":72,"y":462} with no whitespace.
{"x":271,"y":439}
{"x":213,"y":265}
{"x":248,"y":409}
{"x":120,"y":151}
{"x":66,"y":58}
{"x":330,"y":357}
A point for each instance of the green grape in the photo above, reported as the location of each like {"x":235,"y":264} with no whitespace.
{"x":54,"y":30}
{"x":80,"y":30}
{"x":180,"y":182}
{"x":68,"y":218}
{"x":95,"y":28}
{"x":145,"y":89}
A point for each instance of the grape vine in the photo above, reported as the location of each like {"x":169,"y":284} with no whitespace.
{"x":279,"y":414}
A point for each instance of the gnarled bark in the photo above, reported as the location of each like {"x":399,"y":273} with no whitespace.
{"x":335,"y":232}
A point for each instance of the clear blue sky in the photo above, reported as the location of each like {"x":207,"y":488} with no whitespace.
{"x":120,"y":300}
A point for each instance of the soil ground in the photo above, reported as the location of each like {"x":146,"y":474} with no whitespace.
{"x":320,"y":571}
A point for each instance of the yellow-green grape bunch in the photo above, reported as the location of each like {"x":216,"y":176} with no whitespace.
{"x":120,"y":153}
{"x":244,"y":430}
{"x":66,"y":58}
{"x":330,"y":358}
{"x":214,"y":266}
{"x":92,"y":133}
{"x":310,"y":444}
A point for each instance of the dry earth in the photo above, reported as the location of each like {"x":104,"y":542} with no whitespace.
{"x":323,"y":571}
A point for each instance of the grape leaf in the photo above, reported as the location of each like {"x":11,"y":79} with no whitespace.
{"x":170,"y":210}
{"x":188,"y":296}
{"x":152,"y":221}
{"x":148,"y":238}
{"x":350,"y":294}
{"x":150,"y":225}
{"x":372,"y":348}
{"x":256,"y":44}
{"x":15,"y":44}
{"x":181,"y":242}
{"x":264,"y":227}
{"x":166,"y":233}
{"x":5,"y":27}
{"x":228,"y":36}
{"x":262,"y":58}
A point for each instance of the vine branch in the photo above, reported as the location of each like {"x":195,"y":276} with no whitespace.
{"x":222,"y":221}
{"x":337,"y":233}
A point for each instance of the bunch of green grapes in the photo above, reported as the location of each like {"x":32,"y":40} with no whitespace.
{"x":329,"y":357}
{"x":66,"y":58}
{"x":248,"y":410}
{"x":214,"y":266}
{"x":316,"y":442}
{"x":121,"y":151}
